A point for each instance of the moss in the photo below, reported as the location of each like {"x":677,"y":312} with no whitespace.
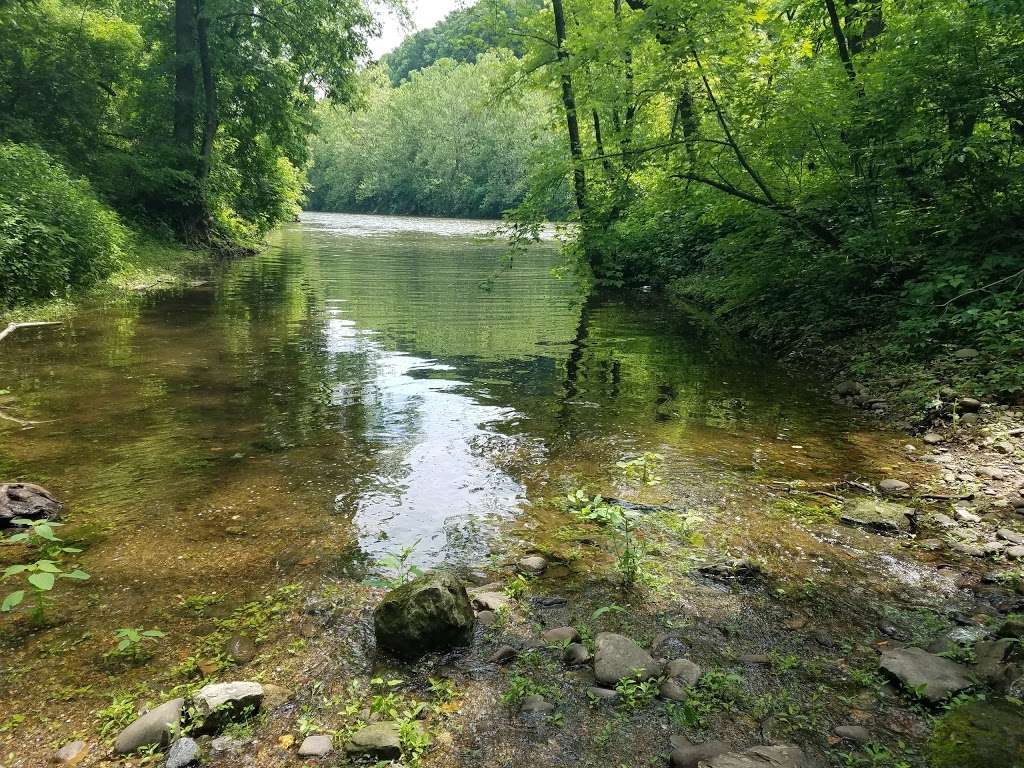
{"x":979,"y":734}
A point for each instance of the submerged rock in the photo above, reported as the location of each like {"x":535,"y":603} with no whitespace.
{"x":931,"y":677}
{"x":29,"y":501}
{"x":880,"y":516}
{"x":617,"y":658}
{"x":158,"y":726}
{"x":431,"y":613}
{"x":979,"y":734}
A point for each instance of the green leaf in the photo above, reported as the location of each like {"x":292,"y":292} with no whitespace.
{"x":42,"y":581}
{"x":47,"y":566}
{"x":13,"y":569}
{"x":12,"y":600}
{"x":77,"y":575}
{"x":154,"y":633}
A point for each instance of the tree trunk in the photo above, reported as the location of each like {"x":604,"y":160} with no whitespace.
{"x":210,"y":125}
{"x":579,"y":175}
{"x":184,"y":75}
{"x":840,"y":36}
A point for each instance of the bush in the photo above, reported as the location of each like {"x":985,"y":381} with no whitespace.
{"x":54,"y":233}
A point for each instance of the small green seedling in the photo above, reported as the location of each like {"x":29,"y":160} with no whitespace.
{"x":131,"y":643}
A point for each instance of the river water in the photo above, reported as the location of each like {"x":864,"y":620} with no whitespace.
{"x":369,"y":384}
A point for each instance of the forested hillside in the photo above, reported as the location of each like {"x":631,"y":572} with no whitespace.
{"x":189,"y":119}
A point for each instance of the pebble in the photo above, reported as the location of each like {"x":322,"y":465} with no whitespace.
{"x":534,"y":564}
{"x":71,"y":754}
{"x":993,"y":473}
{"x":603,"y":694}
{"x":503,"y":655}
{"x":968,"y":405}
{"x":1006,"y":534}
{"x":943,"y":521}
{"x":184,"y":753}
{"x":1015,"y":553}
{"x":536,"y":704}
{"x":855,"y":733}
{"x":560,"y":635}
{"x":890,"y":486}
{"x":967,"y":517}
{"x":969,"y":419}
{"x":486,"y":618}
{"x":319,"y":745}
{"x":575,"y":654}
{"x":933,"y":438}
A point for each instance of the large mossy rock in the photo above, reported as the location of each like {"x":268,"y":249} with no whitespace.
{"x":431,"y":613}
{"x":24,"y":500}
{"x":979,"y":734}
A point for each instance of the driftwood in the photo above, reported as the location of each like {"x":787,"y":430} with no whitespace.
{"x":22,"y":422}
{"x":15,"y":326}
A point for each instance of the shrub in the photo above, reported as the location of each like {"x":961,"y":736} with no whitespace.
{"x":54,"y":233}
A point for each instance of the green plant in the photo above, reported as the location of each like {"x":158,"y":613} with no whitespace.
{"x":41,"y":576}
{"x":116,"y":716}
{"x":518,"y":687}
{"x":628,"y":549}
{"x":401,"y":569}
{"x":635,"y":693}
{"x":131,"y":644}
{"x":385,"y":701}
{"x":642,"y":469}
{"x":717,"y":690}
{"x":874,"y":755}
{"x":414,"y":740}
{"x":518,"y":587}
{"x":442,"y":690}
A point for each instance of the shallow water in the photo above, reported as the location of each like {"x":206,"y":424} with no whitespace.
{"x":373,"y":382}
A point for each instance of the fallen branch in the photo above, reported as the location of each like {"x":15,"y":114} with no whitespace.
{"x":15,"y":326}
{"x":22,"y":422}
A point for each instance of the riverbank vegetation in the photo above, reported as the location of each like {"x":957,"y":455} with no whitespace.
{"x":188,"y":121}
{"x":839,"y":179}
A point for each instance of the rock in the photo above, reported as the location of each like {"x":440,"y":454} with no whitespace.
{"x":71,"y":754}
{"x":684,"y":670}
{"x":943,"y":521}
{"x":968,"y":405}
{"x":240,"y":648}
{"x":536,"y":704}
{"x":218,"y":704}
{"x":617,"y":658}
{"x":971,"y":550}
{"x":760,"y":757}
{"x":226,"y":744}
{"x":966,"y":354}
{"x":534,"y":565}
{"x":881,"y":516}
{"x":673,"y":690}
{"x":991,"y":657}
{"x":858,"y":734}
{"x":184,"y":753}
{"x":486,"y":618}
{"x":849,"y":388}
{"x":575,"y":654}
{"x":319,"y":745}
{"x":490,"y":601}
{"x":930,"y":545}
{"x":1012,"y":628}
{"x":503,"y":655}
{"x":1015,"y":553}
{"x":1003,"y":447}
{"x":967,"y":517}
{"x":890,"y":486}
{"x":979,"y":734}
{"x":26,"y":500}
{"x":692,"y":755}
{"x":933,"y":438}
{"x":274,"y":696}
{"x":603,"y":694}
{"x":560,"y":635}
{"x":740,"y":570}
{"x":969,"y":419}
{"x":1006,"y":534}
{"x":932,"y":677}
{"x":431,"y":613}
{"x":992,"y":473}
{"x":158,"y":726}
{"x":381,"y":740}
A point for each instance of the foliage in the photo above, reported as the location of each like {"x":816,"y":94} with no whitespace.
{"x":131,"y":643}
{"x":413,"y":149}
{"x":118,"y":715}
{"x":54,"y":233}
{"x":634,"y":693}
{"x":399,"y":566}
{"x":620,"y":523}
{"x":42,"y":574}
{"x":716,"y":691}
{"x":643,"y":469}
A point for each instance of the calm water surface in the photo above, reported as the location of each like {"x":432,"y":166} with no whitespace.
{"x":365,"y":384}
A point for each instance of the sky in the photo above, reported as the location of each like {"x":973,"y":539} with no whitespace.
{"x":425,"y":13}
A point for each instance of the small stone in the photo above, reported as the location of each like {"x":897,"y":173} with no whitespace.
{"x":218,"y":704}
{"x":560,"y":635}
{"x":603,"y":694}
{"x":760,"y":659}
{"x":226,"y":744}
{"x":858,"y":734}
{"x":619,"y":658}
{"x":319,"y":745}
{"x":881,"y":516}
{"x":1003,"y":447}
{"x":240,"y":648}
{"x":933,"y":676}
{"x":693,"y":755}
{"x":575,"y":654}
{"x":71,"y":754}
{"x":1007,"y":534}
{"x":673,"y":690}
{"x":993,"y":547}
{"x":969,"y":419}
{"x":1015,"y":553}
{"x":536,"y":704}
{"x":184,"y":753}
{"x":784,"y":756}
{"x":943,"y":521}
{"x":157,"y":727}
{"x":430,"y":613}
{"x":534,"y":565}
{"x":849,"y":388}
{"x":274,"y":696}
{"x":891,"y":486}
{"x":684,"y":671}
{"x":503,"y":655}
{"x":930,"y":545}
{"x":933,"y":438}
{"x":486,"y":618}
{"x":381,"y":740}
{"x":992,"y":473}
{"x":971,"y":550}
{"x":967,"y":517}
{"x":968,"y":405}
{"x":487,"y":600}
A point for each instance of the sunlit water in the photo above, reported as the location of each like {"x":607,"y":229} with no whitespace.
{"x":373,"y":383}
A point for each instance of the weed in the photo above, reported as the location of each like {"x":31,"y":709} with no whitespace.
{"x":118,"y":715}
{"x":642,"y":469}
{"x":131,"y":644}
{"x":518,"y":587}
{"x":401,"y":569}
{"x":41,"y":576}
{"x":635,"y":693}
